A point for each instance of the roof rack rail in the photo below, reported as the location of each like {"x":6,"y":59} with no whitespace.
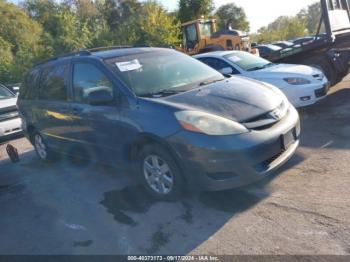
{"x":86,"y":52}
{"x":105,"y":48}
{"x":77,"y":53}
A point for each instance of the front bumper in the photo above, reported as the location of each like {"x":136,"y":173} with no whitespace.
{"x":308,"y":94}
{"x":10,"y":127}
{"x":219,"y":163}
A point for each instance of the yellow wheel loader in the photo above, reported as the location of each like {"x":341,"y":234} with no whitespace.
{"x":200,"y":36}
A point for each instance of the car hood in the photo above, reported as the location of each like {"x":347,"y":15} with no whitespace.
{"x":8,"y":102}
{"x":286,"y":70}
{"x":237,"y":98}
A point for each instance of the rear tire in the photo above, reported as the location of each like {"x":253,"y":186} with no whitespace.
{"x":159,"y":173}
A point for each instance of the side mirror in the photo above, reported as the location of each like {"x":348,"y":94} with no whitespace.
{"x":226,"y":71}
{"x":100,"y":97}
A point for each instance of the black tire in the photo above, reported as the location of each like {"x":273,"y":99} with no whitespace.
{"x":165,"y":157}
{"x":49,"y":155}
{"x":324,"y":65}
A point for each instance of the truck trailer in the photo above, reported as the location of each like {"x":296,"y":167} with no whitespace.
{"x":329,"y":50}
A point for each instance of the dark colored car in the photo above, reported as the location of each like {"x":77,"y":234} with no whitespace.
{"x":167,"y":117}
{"x":265,"y":50}
{"x":304,"y":40}
{"x":284,"y":44}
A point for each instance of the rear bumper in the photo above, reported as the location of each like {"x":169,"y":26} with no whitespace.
{"x":220,"y":163}
{"x":10,"y":127}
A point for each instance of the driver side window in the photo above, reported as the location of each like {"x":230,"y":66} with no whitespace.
{"x":88,"y":78}
{"x":218,"y":64}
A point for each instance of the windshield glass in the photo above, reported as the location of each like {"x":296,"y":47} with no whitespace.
{"x":247,"y":61}
{"x":155,"y":71}
{"x":5,"y":93}
{"x":274,"y":47}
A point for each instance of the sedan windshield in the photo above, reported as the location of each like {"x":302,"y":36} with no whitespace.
{"x":247,"y":61}
{"x":5,"y":93}
{"x":273,"y":47}
{"x":162,"y":72}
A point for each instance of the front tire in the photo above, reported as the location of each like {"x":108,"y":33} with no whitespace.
{"x":41,"y":148}
{"x":159,"y":173}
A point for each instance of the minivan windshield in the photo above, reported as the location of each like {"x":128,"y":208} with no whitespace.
{"x":247,"y":61}
{"x":162,"y":72}
{"x":5,"y":93}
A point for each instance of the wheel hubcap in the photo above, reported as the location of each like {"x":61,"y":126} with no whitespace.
{"x":158,"y":174}
{"x":40,"y":147}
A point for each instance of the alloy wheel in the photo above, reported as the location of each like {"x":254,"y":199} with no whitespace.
{"x":158,"y":174}
{"x":40,"y":146}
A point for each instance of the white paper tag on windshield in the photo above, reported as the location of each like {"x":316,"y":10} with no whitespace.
{"x":129,"y":65}
{"x":235,"y":58}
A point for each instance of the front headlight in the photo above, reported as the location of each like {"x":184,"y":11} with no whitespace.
{"x":209,"y":124}
{"x":297,"y":81}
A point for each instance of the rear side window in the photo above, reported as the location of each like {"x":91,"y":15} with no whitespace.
{"x":30,"y":87}
{"x":54,"y":80}
{"x":88,"y":78}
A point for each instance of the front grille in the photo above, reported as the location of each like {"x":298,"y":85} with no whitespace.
{"x":268,"y":119}
{"x":321,"y":92}
{"x":8,"y":109}
{"x":8,"y":116}
{"x":266,"y":163}
{"x":7,"y":113}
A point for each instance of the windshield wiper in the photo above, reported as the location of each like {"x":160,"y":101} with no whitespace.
{"x":204,"y":83}
{"x":165,"y":92}
{"x":260,"y":67}
{"x":255,"y":68}
{"x":268,"y":65}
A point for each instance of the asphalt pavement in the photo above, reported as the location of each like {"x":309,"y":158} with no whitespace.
{"x":65,"y":208}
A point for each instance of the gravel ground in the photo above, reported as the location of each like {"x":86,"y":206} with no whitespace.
{"x":304,"y":209}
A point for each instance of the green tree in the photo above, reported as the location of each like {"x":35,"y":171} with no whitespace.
{"x":283,"y":28}
{"x":194,"y":9}
{"x":20,"y":42}
{"x":68,"y":26}
{"x":232,"y":15}
{"x":157,"y":27}
{"x":41,"y":11}
{"x":69,"y":34}
{"x":120,"y":12}
{"x":120,"y":22}
{"x":6,"y":61}
{"x":311,"y":17}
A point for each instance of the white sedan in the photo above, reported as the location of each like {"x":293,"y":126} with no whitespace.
{"x":303,"y":85}
{"x":10,"y":122}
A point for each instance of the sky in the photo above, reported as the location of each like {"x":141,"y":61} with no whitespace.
{"x":260,"y":12}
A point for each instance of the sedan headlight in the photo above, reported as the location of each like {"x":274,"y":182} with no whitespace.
{"x":209,"y":124}
{"x":297,"y":81}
